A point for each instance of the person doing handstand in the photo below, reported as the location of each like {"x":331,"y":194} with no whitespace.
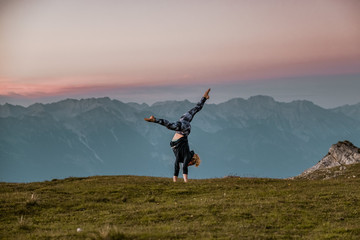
{"x":179,"y":143}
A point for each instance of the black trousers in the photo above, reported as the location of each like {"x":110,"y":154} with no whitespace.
{"x":182,"y":154}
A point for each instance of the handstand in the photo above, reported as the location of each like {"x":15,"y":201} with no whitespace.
{"x":179,"y":143}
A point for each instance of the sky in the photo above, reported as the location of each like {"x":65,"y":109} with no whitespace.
{"x":148,"y":51}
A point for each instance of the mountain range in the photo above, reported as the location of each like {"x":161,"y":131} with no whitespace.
{"x":100,"y":136}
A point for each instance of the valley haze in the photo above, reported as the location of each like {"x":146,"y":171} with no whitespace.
{"x":256,"y":137}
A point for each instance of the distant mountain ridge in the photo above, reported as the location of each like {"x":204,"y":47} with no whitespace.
{"x":352,"y":111}
{"x":249,"y":137}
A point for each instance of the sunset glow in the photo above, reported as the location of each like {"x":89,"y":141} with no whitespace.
{"x":63,"y":48}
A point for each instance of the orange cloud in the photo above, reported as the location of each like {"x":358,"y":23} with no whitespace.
{"x":34,"y":88}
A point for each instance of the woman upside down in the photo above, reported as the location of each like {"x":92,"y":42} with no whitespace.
{"x":179,"y":143}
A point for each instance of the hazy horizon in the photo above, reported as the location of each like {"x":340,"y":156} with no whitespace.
{"x":331,"y":94}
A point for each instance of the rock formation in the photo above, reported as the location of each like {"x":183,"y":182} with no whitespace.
{"x":340,"y":154}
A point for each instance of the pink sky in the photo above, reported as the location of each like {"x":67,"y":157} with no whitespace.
{"x":53,"y":48}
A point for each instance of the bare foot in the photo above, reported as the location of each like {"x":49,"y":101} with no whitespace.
{"x":206,"y":94}
{"x":185,"y":176}
{"x":150,"y":119}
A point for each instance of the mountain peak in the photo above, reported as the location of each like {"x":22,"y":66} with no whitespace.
{"x":340,"y":154}
{"x":36,"y":108}
{"x":352,"y":111}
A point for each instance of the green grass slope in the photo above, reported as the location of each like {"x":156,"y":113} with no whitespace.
{"x":129,"y":207}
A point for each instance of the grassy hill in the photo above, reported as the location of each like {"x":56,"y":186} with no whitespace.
{"x":130,"y":207}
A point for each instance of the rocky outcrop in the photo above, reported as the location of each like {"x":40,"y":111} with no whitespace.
{"x":340,"y":154}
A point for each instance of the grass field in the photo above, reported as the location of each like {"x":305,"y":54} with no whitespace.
{"x":130,"y":207}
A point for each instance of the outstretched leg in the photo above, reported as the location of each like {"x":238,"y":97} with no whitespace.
{"x":188,"y":116}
